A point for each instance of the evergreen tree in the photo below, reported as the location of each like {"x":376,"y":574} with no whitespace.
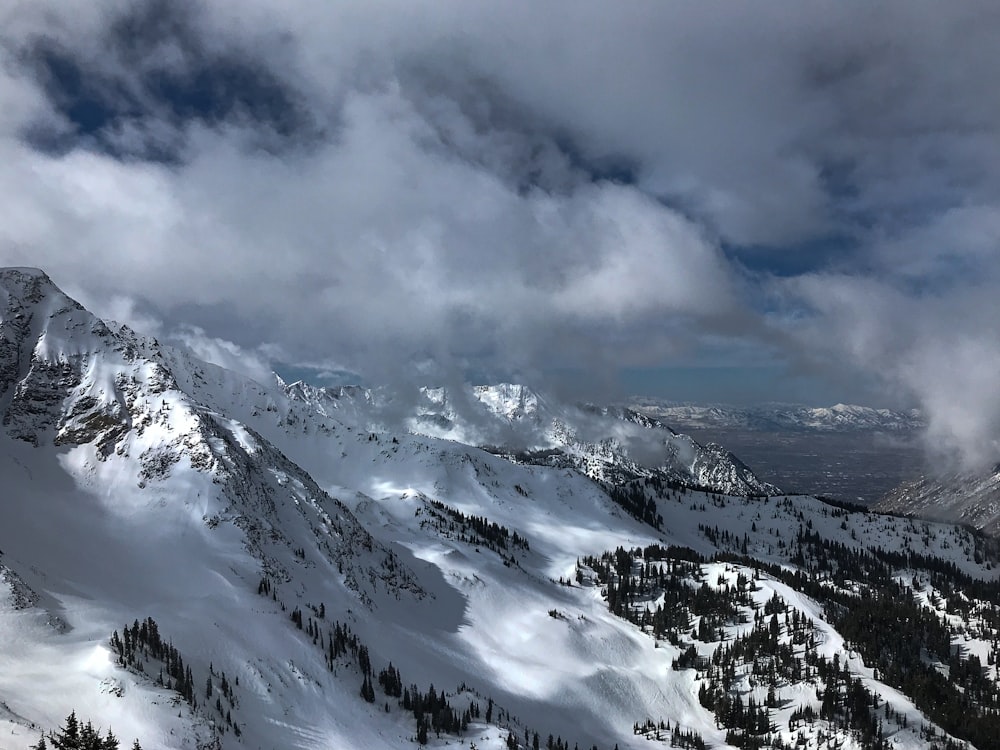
{"x":422,"y":731}
{"x":68,"y":737}
{"x":89,"y":738}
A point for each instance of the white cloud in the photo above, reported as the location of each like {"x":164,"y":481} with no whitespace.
{"x":436,"y":200}
{"x":224,"y":353}
{"x":938,"y":348}
{"x":379,"y":248}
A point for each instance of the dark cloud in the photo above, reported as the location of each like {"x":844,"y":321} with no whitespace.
{"x":151,"y":75}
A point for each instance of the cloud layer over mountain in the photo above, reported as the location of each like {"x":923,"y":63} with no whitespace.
{"x":520,"y":189}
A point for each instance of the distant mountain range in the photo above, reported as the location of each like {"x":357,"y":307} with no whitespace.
{"x":782,"y":417}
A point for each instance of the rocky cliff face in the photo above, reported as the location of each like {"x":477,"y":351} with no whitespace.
{"x":68,"y":380}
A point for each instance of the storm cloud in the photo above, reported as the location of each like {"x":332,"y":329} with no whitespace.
{"x":523,"y":190}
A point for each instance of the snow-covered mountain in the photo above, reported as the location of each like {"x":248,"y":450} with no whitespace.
{"x":198,"y":560}
{"x":783,"y":417}
{"x":956,"y":497}
{"x":608,"y":444}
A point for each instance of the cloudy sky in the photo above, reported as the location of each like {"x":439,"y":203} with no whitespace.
{"x":706,"y":201}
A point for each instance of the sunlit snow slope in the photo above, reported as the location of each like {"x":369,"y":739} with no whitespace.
{"x":289,"y":553}
{"x":609,"y":444}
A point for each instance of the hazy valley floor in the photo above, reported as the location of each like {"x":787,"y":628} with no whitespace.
{"x":859,"y":467}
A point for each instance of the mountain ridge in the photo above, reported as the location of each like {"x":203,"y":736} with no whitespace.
{"x":966,"y":497}
{"x":781,"y":417}
{"x":607,"y":443}
{"x":293,"y":557}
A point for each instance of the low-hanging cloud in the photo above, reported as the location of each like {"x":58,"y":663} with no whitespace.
{"x":382,"y":244}
{"x":938,"y":347}
{"x":418,"y":191}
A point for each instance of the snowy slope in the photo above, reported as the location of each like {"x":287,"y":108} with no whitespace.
{"x":125,"y":499}
{"x":966,"y":498}
{"x":608,"y":444}
{"x":140,"y":482}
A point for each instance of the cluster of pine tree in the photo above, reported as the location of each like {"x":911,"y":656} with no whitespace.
{"x":475,"y":529}
{"x":391,"y":682}
{"x":630,"y":579}
{"x":633,"y":497}
{"x":264,"y":588}
{"x":848,"y":703}
{"x":779,"y":648}
{"x":433,"y":713}
{"x":140,"y":643}
{"x":225,"y":697}
{"x":894,"y":632}
{"x":639,"y":496}
{"x":141,"y":646}
{"x":724,"y":538}
{"x":73,"y":735}
{"x":431,"y":709}
{"x":662,"y":732}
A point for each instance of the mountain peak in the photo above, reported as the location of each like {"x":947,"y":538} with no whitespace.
{"x":30,"y":271}
{"x":511,"y":400}
{"x":28,"y":285}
